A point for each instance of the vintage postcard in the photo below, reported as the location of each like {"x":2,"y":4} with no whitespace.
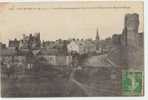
{"x":72,"y":49}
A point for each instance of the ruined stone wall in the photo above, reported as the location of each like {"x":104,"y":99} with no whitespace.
{"x":132,"y":52}
{"x":131,"y":26}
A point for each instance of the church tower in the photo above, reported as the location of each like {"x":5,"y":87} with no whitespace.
{"x":97,"y":40}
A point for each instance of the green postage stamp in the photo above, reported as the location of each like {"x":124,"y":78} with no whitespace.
{"x":132,"y":83}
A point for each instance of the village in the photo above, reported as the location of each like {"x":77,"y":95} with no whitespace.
{"x":57,"y":52}
{"x":74,"y":59}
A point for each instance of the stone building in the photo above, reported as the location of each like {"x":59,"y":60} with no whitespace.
{"x":10,"y":58}
{"x":34,"y":41}
{"x":14,"y":43}
{"x":48,"y":44}
{"x":24,"y":42}
{"x":30,"y":42}
{"x":52,"y":57}
{"x":81,"y":46}
{"x":131,"y":26}
{"x":73,"y":47}
{"x":59,"y":45}
{"x":2,"y":45}
{"x":76,"y":46}
{"x":8,"y":52}
{"x":132,"y":43}
{"x":106,"y":44}
{"x":90,"y":46}
{"x":141,"y":39}
{"x":116,"y":40}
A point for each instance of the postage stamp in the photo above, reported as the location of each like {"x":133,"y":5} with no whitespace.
{"x":132,"y":83}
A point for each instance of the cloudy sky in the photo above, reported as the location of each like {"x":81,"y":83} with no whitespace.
{"x":65,"y":20}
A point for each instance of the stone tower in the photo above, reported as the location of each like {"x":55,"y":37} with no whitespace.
{"x":131,"y":52}
{"x":131,"y":26}
{"x":97,"y":40}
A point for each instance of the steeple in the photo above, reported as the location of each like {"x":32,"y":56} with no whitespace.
{"x":97,"y":40}
{"x":97,"y":35}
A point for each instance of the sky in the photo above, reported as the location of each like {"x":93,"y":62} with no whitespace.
{"x":65,"y":20}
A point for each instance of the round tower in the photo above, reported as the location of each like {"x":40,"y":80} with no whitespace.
{"x":131,"y":25}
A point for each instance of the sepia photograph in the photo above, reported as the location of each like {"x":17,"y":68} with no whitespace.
{"x":72,"y":49}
